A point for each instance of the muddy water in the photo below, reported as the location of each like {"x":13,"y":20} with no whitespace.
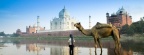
{"x":60,"y":47}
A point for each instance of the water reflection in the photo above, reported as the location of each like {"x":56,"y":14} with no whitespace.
{"x":34,"y":47}
{"x":63,"y":50}
{"x":55,"y":47}
{"x":133,"y":47}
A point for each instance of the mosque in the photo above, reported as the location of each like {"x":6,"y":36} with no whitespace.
{"x":120,"y":18}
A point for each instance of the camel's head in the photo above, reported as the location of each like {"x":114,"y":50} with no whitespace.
{"x":78,"y":26}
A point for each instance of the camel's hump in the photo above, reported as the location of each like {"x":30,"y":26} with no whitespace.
{"x":100,"y":25}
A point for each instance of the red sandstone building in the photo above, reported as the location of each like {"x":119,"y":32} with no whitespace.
{"x":30,"y":30}
{"x":120,"y":18}
{"x":33,"y":29}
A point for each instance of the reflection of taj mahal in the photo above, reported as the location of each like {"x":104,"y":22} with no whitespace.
{"x":62,"y":50}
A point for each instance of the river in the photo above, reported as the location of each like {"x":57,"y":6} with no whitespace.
{"x":60,"y":47}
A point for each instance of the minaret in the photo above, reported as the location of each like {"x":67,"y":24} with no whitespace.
{"x":64,"y":7}
{"x":89,"y":21}
{"x":107,"y":16}
{"x":38,"y":23}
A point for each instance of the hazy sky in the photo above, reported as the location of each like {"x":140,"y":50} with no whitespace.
{"x":17,"y":14}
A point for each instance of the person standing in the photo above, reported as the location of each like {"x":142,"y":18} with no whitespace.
{"x":71,"y":45}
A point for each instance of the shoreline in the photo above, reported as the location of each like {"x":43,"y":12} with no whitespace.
{"x":123,"y":38}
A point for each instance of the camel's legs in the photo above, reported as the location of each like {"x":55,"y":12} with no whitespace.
{"x":116,"y":45}
{"x":95,"y":40}
{"x":117,"y":41}
{"x":100,"y":45}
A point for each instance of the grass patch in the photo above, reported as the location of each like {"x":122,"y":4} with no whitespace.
{"x":88,"y":38}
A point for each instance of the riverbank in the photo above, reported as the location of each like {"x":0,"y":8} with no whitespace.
{"x":137,"y":37}
{"x":123,"y":38}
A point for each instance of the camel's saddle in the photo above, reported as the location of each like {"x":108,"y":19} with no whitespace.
{"x":100,"y":25}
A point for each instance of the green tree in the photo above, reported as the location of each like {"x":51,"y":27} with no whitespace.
{"x":124,"y":29}
{"x":130,"y":31}
{"x":138,"y":26}
{"x":142,"y":24}
{"x":2,"y":34}
{"x":135,"y":27}
{"x":15,"y":35}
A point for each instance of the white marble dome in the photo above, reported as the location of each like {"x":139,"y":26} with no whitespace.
{"x":63,"y":13}
{"x":63,"y":22}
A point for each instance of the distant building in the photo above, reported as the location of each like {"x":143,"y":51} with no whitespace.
{"x":120,"y":18}
{"x":64,"y":22}
{"x":18,"y":31}
{"x":33,"y":29}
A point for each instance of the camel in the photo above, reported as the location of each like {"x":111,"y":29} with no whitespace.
{"x":102,"y":31}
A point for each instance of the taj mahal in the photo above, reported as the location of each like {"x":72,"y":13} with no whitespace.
{"x":64,"y":22}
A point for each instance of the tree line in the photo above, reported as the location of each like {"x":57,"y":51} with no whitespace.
{"x":2,"y":34}
{"x":134,"y":28}
{"x":11,"y":35}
